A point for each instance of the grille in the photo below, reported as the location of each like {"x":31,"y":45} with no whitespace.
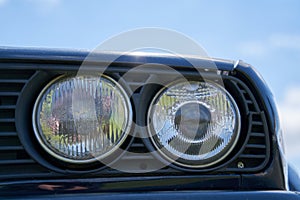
{"x":14,"y":160}
{"x":16,"y":163}
{"x":255,"y":153}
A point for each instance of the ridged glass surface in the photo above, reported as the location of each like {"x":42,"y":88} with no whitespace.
{"x":194,"y":121}
{"x":82,"y":118}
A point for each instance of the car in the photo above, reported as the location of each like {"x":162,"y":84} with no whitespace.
{"x":76,"y":124}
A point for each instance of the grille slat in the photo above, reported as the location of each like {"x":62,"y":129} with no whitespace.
{"x":253,"y":134}
{"x":8,"y":134}
{"x":19,"y":161}
{"x":7,"y":120}
{"x":137,"y":145}
{"x":9,"y":93}
{"x":135,"y":157}
{"x":11,"y":148}
{"x":259,"y":146}
{"x":13,"y":81}
{"x":4,"y":107}
{"x":259,"y":123}
{"x":135,"y":84}
{"x":251,"y":156}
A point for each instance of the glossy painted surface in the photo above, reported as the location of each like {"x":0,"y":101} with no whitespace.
{"x":176,"y":195}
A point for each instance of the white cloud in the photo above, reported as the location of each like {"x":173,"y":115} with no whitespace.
{"x":289,"y":41}
{"x":275,"y":42}
{"x":253,"y":48}
{"x":46,"y":2}
{"x":42,"y":5}
{"x":290,"y":116}
{"x":45,"y":6}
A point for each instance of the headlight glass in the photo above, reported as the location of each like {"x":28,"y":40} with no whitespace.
{"x":194,"y":124}
{"x":82,"y":118}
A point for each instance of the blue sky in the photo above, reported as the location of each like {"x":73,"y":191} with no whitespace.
{"x":263,"y":33}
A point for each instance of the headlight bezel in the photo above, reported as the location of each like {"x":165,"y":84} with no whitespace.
{"x":166,"y":156}
{"x":104,"y":157}
{"x":242,"y":93}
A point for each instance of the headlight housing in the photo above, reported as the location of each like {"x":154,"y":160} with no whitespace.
{"x":81,"y":119}
{"x":194,"y":124}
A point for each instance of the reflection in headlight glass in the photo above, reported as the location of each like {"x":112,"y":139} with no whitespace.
{"x":194,"y":123}
{"x":81,"y":118}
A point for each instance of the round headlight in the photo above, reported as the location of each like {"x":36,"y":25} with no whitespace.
{"x":83,"y":118}
{"x":194,"y":124}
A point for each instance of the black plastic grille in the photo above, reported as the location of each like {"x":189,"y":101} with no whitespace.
{"x":13,"y":157}
{"x":255,"y":153}
{"x":15,"y":162}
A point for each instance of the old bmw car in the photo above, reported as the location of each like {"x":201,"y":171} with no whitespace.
{"x":137,"y":126}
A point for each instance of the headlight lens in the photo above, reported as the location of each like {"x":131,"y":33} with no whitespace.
{"x":83,"y":118}
{"x":194,"y":124}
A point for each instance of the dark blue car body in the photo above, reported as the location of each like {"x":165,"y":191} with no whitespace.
{"x":26,"y":172}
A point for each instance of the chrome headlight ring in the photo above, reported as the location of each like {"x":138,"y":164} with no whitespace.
{"x":193,"y":124}
{"x":82,"y":119}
